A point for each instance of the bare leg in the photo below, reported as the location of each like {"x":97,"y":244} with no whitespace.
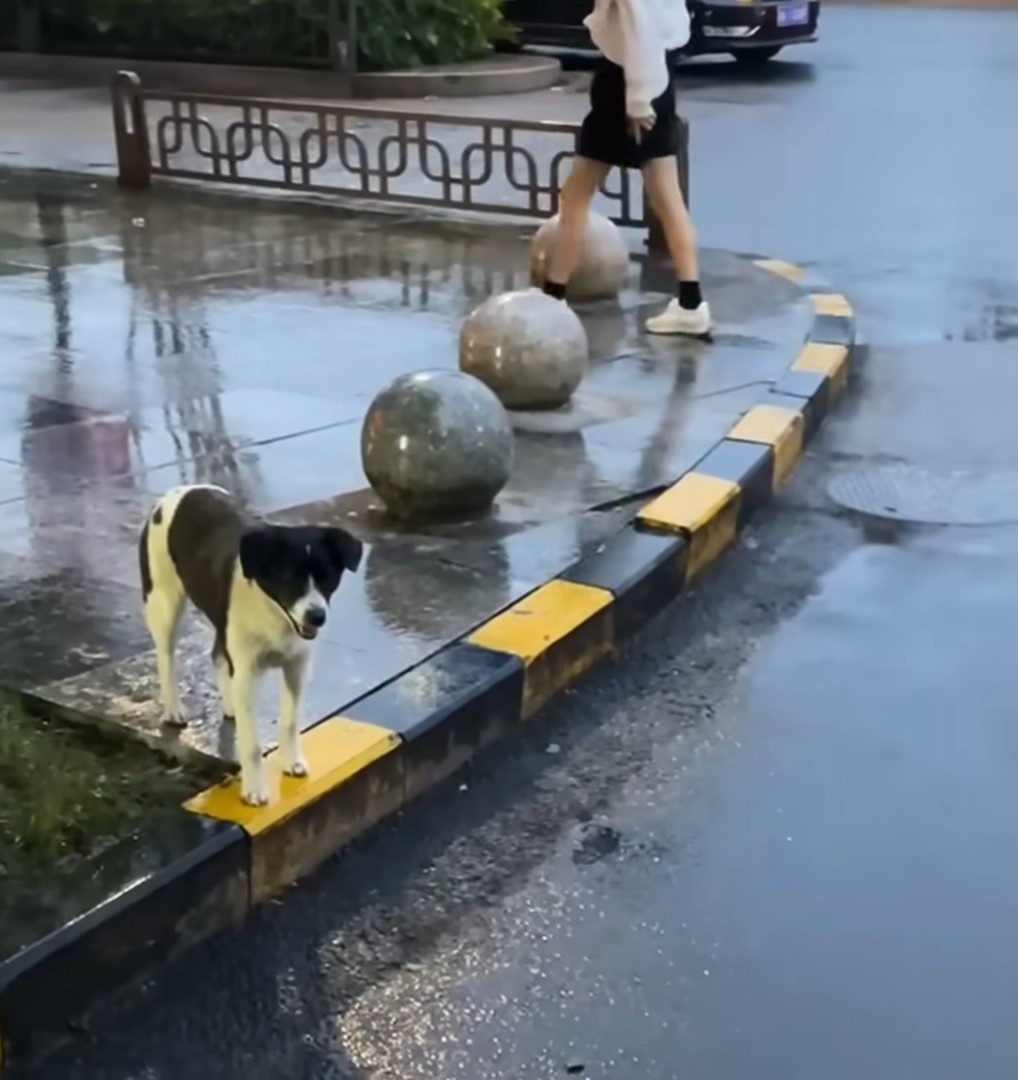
{"x":661,"y":182}
{"x":578,"y":191}
{"x":688,"y":313}
{"x":295,"y":672}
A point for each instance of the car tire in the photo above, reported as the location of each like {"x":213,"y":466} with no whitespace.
{"x":756,"y":57}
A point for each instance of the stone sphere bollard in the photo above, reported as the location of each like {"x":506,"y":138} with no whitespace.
{"x":436,"y":445}
{"x":602,"y":266}
{"x":529,"y":348}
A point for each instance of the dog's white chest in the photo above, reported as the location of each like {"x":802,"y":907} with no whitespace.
{"x":279,"y":656}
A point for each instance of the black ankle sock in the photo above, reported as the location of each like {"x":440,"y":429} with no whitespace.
{"x":555,"y":289}
{"x":689,"y":294}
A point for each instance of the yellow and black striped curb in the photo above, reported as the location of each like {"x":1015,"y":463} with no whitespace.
{"x":406,"y":736}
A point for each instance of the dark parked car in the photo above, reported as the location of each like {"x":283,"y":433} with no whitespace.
{"x":753,"y":31}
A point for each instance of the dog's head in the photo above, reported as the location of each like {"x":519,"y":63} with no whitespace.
{"x":299,"y":568}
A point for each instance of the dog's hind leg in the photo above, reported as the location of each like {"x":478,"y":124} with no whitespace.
{"x":224,"y":678}
{"x":295,"y":672}
{"x":163,"y":610}
{"x":164,"y":604}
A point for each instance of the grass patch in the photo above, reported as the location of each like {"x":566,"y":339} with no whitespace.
{"x":66,"y":795}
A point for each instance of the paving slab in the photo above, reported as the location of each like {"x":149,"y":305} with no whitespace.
{"x":179,"y":338}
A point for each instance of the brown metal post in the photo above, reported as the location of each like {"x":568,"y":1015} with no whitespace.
{"x":351,"y":36}
{"x":343,"y":36}
{"x":130,"y":128}
{"x":334,"y":32}
{"x":656,"y":242}
{"x":29,"y":27}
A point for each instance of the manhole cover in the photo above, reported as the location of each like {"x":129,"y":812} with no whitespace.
{"x":907,"y":493}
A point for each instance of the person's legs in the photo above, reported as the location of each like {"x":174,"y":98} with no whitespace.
{"x":578,"y":191}
{"x":688,"y":313}
{"x":661,"y":182}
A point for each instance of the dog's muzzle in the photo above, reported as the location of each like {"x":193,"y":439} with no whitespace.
{"x":312,"y":622}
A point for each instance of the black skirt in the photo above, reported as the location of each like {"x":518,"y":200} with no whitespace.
{"x":604,"y":134}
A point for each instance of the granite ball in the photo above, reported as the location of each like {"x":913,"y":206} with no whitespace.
{"x":436,"y":445}
{"x":529,"y":348}
{"x":602,"y":267}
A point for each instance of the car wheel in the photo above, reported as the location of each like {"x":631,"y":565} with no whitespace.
{"x":756,"y":57}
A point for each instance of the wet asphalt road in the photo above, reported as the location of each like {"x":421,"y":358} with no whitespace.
{"x":774,"y":839}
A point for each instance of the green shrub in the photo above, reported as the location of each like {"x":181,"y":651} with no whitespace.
{"x":412,"y":33}
{"x":391,"y":33}
{"x":239,"y":30}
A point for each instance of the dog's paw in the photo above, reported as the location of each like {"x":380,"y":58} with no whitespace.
{"x":255,"y":793}
{"x":254,"y":789}
{"x":298,"y":768}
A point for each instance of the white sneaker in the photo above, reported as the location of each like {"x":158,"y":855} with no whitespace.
{"x":695,"y":322}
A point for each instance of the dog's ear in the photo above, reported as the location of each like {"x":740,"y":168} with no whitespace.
{"x":345,"y":549}
{"x":259,"y":551}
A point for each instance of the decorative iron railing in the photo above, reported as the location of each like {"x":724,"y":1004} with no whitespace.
{"x":473,"y":164}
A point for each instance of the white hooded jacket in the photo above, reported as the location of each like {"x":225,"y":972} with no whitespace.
{"x":636,"y":35}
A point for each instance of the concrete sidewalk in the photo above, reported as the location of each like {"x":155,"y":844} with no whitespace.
{"x":148,"y":339}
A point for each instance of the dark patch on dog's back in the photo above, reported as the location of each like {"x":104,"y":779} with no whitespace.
{"x":203,"y":540}
{"x":146,"y":570}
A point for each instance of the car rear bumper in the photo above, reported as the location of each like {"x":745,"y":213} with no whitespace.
{"x":726,"y":28}
{"x":716,"y":26}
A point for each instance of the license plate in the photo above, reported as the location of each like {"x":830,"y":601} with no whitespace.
{"x":797,"y":15}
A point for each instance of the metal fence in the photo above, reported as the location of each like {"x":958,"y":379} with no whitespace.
{"x":474,"y":164}
{"x":290,"y":33}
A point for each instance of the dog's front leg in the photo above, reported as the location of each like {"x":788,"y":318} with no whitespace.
{"x":253,"y":785}
{"x":295,"y":674}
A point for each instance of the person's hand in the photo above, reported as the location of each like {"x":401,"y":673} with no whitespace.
{"x":639,"y":126}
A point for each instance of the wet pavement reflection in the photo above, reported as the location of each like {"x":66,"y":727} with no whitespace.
{"x":185,"y":338}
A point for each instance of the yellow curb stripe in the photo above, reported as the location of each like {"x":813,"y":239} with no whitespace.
{"x":829,"y":360}
{"x":778,"y":427}
{"x":558,"y":633}
{"x":335,"y":750}
{"x":784,"y":269}
{"x":704,"y":508}
{"x":535,"y":623}
{"x":831,"y":304}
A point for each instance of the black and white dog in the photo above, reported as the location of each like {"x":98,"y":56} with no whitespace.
{"x":265,"y":589}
